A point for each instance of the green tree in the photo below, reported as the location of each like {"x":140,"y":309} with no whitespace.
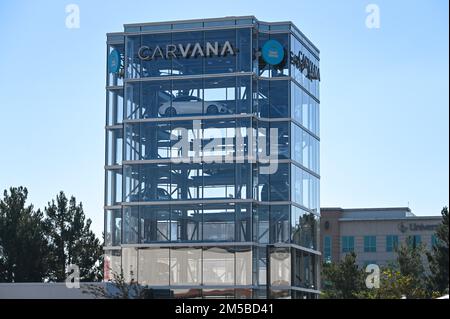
{"x":395,"y":285}
{"x":343,"y":280}
{"x":24,"y":248}
{"x":438,"y":258}
{"x":71,"y":240}
{"x":410,"y":261}
{"x":118,"y":288}
{"x":403,"y":278}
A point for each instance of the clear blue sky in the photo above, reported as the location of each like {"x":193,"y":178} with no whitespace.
{"x":384,"y":95}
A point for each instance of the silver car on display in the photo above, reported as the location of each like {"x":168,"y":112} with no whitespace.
{"x":188,"y":104}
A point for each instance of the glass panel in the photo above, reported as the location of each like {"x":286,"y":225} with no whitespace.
{"x":296,"y":182}
{"x":220,"y":58}
{"x":263,"y":99}
{"x":244,"y":95}
{"x":113,"y":187}
{"x":279,"y":223}
{"x":190,"y":60}
{"x":304,"y":228}
{"x":185,"y":266}
{"x":115,"y":107}
{"x":154,"y":266}
{"x":296,"y":103}
{"x":187,"y":98}
{"x":155,"y":224}
{"x":243,"y":222}
{"x":113,"y":227}
{"x":131,"y":225}
{"x":148,"y":141}
{"x":132,"y":101}
{"x":282,"y":129}
{"x":280,"y":267}
{"x":113,"y":264}
{"x":279,"y":99}
{"x":187,"y":25}
{"x":129,"y":264}
{"x":243,"y":266}
{"x":133,"y":63}
{"x":305,"y":109}
{"x":244,"y":50}
{"x":219,"y":180}
{"x":219,"y":23}
{"x":131,"y":184}
{"x":156,"y":61}
{"x":116,"y":78}
{"x":220,"y":96}
{"x":187,"y":181}
{"x":263,"y":67}
{"x":155,"y":182}
{"x":156,"y":98}
{"x":188,"y":222}
{"x":218,"y":266}
{"x":308,"y":270}
{"x":218,"y":222}
{"x":243,"y":181}
{"x":262,"y":222}
{"x":261,"y":264}
{"x":279,"y":184}
{"x":114,"y":147}
{"x":133,"y":142}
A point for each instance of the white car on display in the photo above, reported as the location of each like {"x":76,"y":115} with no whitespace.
{"x":188,"y":104}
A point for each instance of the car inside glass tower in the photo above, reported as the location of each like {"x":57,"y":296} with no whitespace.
{"x":212,"y":159}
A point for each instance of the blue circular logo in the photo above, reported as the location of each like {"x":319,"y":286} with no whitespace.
{"x":114,"y":61}
{"x":273,"y":52}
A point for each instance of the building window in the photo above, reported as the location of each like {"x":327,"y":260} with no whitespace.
{"x":391,"y":243}
{"x":370,"y":244}
{"x":348,"y":244}
{"x":434,"y":241}
{"x":414,"y":241}
{"x":327,"y":249}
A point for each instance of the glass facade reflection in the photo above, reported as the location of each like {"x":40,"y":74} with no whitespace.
{"x":233,"y":221}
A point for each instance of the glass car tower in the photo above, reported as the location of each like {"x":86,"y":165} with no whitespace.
{"x":194,"y":205}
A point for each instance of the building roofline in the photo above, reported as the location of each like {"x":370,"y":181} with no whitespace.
{"x":189,"y":20}
{"x":407,"y":218}
{"x":218,"y":20}
{"x":366,"y":209}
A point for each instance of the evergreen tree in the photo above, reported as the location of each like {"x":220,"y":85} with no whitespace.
{"x":438,"y":258}
{"x":24,"y":249}
{"x":343,"y":280}
{"x":71,"y":240}
{"x":395,"y":285}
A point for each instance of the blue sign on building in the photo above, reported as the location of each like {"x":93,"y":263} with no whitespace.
{"x":273,"y":52}
{"x":114,"y":62}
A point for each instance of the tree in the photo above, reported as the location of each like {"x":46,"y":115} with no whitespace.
{"x":395,"y":285}
{"x":410,"y":261}
{"x":24,"y":248}
{"x":119,"y":288}
{"x":438,"y":259}
{"x":71,"y":240}
{"x":343,"y":280}
{"x":404,"y":278}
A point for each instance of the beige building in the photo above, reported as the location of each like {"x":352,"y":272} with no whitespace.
{"x":373,"y":233}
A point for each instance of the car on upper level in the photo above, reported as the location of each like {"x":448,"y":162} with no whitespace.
{"x":188,"y":104}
